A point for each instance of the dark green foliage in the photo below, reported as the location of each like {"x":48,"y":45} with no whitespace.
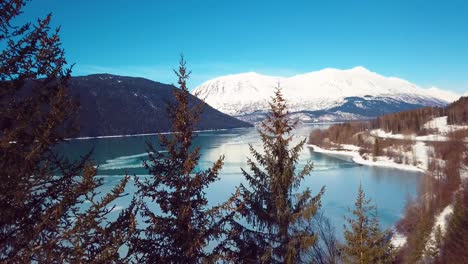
{"x":377,"y":148}
{"x":41,"y":192}
{"x":415,"y":248}
{"x":339,"y":133}
{"x":457,"y":112}
{"x":364,"y":241}
{"x":280,"y":219}
{"x":433,"y":245}
{"x":412,"y":121}
{"x":407,"y":122}
{"x":178,"y":223}
{"x":133,"y":105}
{"x":455,"y":242}
{"x":92,"y":237}
{"x":418,"y":222}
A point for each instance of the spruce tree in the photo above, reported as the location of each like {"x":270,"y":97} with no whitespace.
{"x":364,"y":241}
{"x":178,"y":222}
{"x":455,"y":241}
{"x":279,"y":220}
{"x":42,"y":193}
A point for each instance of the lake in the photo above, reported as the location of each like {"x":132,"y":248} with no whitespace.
{"x":388,"y":188}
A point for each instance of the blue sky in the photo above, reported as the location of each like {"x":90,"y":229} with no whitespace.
{"x":425,"y":42}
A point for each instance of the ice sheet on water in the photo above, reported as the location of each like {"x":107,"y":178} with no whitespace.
{"x":244,"y":139}
{"x":324,"y":167}
{"x":125,"y":162}
{"x":218,"y":135}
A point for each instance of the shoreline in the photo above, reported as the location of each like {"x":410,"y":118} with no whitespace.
{"x":352,"y":154}
{"x":150,"y":134}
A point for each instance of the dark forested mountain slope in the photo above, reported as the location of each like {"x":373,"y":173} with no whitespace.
{"x":117,"y":105}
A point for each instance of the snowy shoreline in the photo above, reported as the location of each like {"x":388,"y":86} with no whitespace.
{"x":420,"y":149}
{"x":351,"y":153}
{"x":418,"y":155}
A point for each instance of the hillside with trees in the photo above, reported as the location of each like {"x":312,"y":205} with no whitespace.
{"x":405,"y":138}
{"x":118,"y":105}
{"x":457,"y":112}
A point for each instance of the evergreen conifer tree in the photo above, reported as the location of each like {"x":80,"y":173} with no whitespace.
{"x":455,"y":242}
{"x":178,"y":222}
{"x":279,"y":219}
{"x":364,"y":241}
{"x":41,"y":193}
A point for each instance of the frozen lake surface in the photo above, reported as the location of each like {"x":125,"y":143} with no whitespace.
{"x":388,"y":188}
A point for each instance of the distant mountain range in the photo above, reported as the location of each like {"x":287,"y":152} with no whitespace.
{"x":326,"y":95}
{"x":117,"y":105}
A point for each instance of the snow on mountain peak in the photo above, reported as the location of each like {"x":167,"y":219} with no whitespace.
{"x":444,"y":94}
{"x":360,"y":69}
{"x":245,"y":93}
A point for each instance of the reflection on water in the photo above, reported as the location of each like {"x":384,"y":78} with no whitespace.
{"x":389,"y":188}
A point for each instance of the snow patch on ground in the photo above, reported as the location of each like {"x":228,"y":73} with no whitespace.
{"x":420,"y":150}
{"x":441,"y":219}
{"x":350,"y":147}
{"x":439,"y":224}
{"x":398,"y":240}
{"x":464,"y":172}
{"x":382,"y":134}
{"x":350,"y":152}
{"x":440,"y":124}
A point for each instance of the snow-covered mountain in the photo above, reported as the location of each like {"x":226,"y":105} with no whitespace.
{"x":325,"y":95}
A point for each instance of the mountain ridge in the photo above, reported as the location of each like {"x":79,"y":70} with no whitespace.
{"x":247,"y":94}
{"x":122,"y":105}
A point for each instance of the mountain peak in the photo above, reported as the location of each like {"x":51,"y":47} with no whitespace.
{"x":359,"y":69}
{"x":245,"y":74}
{"x":448,"y":96}
{"x":250,"y":92}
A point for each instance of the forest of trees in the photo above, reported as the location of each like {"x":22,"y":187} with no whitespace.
{"x":453,"y":250}
{"x":346,"y":133}
{"x":412,"y":121}
{"x":52,"y":211}
{"x":457,"y":112}
{"x":443,"y":185}
{"x":406,"y":122}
